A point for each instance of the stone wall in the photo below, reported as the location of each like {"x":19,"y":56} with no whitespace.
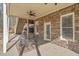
{"x":75,"y":45}
{"x":54,"y":18}
{"x":20,"y":25}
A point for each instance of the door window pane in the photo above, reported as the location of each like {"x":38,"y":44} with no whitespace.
{"x":48,"y":31}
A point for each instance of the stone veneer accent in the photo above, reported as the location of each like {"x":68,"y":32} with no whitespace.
{"x":54,"y":18}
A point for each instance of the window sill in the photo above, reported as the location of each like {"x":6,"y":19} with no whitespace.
{"x":67,"y":40}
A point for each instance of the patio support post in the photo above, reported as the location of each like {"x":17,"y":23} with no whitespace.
{"x":27,"y":29}
{"x":5,"y":29}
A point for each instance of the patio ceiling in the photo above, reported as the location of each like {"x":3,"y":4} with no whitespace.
{"x":41,"y":9}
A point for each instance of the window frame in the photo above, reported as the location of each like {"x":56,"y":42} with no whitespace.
{"x":47,"y":23}
{"x":73,"y":20}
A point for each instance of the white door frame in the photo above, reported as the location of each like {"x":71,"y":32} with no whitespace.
{"x":47,"y":23}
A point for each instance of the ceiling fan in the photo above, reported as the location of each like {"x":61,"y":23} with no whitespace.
{"x":31,"y":13}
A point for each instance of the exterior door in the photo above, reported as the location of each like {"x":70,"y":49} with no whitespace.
{"x":47,"y":31}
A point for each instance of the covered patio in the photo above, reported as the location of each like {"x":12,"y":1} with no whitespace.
{"x":36,"y":29}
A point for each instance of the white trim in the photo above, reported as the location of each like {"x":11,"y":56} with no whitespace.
{"x":27,"y":28}
{"x":73,"y":26}
{"x":47,"y":23}
{"x":36,"y":23}
{"x":17,"y":19}
{"x":8,"y":27}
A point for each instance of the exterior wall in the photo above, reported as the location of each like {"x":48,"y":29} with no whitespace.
{"x":20,"y":25}
{"x":41,"y":29}
{"x":54,"y":18}
{"x":75,"y":45}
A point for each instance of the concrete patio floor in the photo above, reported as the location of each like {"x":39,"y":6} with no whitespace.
{"x":47,"y":49}
{"x":52,"y":50}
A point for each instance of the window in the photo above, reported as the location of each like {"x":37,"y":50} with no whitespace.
{"x":36,"y":27}
{"x":47,"y":31}
{"x":67,"y":26}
